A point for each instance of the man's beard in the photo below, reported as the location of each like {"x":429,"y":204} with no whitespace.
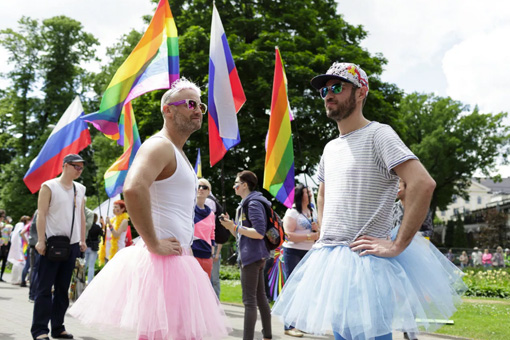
{"x":343,"y":110}
{"x":186,"y":125}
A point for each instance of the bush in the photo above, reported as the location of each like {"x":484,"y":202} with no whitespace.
{"x":488,"y":283}
{"x":229,"y":273}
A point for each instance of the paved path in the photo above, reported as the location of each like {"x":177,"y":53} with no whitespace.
{"x":16,"y":318}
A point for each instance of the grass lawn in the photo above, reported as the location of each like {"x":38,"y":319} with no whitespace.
{"x":481,"y":319}
{"x":476,"y":318}
{"x":231,"y":291}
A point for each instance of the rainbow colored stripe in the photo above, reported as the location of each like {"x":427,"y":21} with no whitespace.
{"x":226,"y":95}
{"x":128,"y":137}
{"x":198,"y":165}
{"x":279,"y":167}
{"x":152,"y":65}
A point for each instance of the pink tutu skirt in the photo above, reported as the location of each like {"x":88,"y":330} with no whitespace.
{"x":161,"y":297}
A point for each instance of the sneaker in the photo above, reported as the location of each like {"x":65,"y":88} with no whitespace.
{"x":294,"y":332}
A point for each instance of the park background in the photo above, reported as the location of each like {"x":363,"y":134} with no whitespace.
{"x":456,"y":133}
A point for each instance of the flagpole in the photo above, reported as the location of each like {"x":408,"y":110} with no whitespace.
{"x":301,"y":160}
{"x":223,"y":198}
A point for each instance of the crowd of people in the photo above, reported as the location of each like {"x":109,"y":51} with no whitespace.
{"x":356,"y":243}
{"x":498,"y":259}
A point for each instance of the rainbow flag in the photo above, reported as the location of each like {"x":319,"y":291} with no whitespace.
{"x":279,"y":167}
{"x":128,"y":137}
{"x":198,"y":165}
{"x":153,"y":65}
{"x":226,"y":95}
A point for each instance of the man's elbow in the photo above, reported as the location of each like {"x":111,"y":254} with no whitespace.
{"x":429,"y":185}
{"x":130,"y":190}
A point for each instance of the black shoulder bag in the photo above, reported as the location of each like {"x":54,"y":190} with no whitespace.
{"x":58,"y":248}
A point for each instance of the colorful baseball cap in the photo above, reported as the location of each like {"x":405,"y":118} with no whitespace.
{"x":348,"y":72}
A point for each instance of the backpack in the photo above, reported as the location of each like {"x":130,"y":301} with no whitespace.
{"x":221,"y":234}
{"x":275,"y":234}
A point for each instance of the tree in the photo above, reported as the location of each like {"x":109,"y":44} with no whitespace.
{"x":495,"y":232}
{"x":18,"y":102}
{"x":459,"y":236}
{"x":450,"y":233}
{"x":452,"y":142}
{"x":253,"y":29}
{"x":49,"y":54}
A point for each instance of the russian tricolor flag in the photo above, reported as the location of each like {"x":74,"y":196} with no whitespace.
{"x":71,"y":135}
{"x":226,"y":95}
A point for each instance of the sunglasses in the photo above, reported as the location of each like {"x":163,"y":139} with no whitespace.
{"x":191,"y":104}
{"x":77,"y":167}
{"x":335,"y":89}
{"x":203,"y":187}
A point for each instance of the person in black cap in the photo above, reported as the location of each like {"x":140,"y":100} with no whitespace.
{"x":356,"y":281}
{"x":60,"y":213}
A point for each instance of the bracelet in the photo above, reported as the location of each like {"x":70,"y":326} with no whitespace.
{"x":308,"y":237}
{"x":236,"y":228}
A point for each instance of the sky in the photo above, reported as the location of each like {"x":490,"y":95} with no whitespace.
{"x":456,"y":48}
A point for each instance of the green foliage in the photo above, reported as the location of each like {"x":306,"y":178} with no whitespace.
{"x":49,"y":54}
{"x":228,"y":272}
{"x":450,"y":233}
{"x":451,"y":142}
{"x":254,"y":29}
{"x":459,"y":239}
{"x":488,"y":283}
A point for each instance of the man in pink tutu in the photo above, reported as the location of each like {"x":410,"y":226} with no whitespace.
{"x":356,"y":281}
{"x":158,"y":287}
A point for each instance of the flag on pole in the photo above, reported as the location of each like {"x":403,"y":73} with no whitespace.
{"x":226,"y":95}
{"x":128,"y":137}
{"x":152,"y":65}
{"x":198,"y":165}
{"x":279,"y":166}
{"x":70,"y":135}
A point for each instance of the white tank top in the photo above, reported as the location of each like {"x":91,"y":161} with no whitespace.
{"x":60,"y":212}
{"x":173,"y":202}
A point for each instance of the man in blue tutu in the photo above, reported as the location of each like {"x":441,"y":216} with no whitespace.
{"x":356,"y":281}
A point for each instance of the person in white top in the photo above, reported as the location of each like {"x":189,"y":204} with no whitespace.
{"x":165,"y":293}
{"x":60,"y":209}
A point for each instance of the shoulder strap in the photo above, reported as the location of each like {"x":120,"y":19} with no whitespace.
{"x":74,"y":209}
{"x":266,"y":207}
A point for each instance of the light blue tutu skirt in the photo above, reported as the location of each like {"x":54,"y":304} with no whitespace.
{"x":334,"y":289}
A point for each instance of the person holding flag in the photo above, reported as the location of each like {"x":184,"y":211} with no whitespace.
{"x":166,"y":294}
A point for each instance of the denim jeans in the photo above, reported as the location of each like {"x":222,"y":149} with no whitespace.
{"x":90,"y":263}
{"x":215,"y":276}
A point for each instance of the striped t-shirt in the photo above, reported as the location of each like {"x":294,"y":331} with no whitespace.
{"x":360,"y":185}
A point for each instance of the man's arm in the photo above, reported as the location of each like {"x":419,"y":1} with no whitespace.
{"x":155,"y":159}
{"x":320,"y":203}
{"x":122,"y":228}
{"x":257,"y":217}
{"x":83,"y":245}
{"x":420,"y":187}
{"x":43,"y":204}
